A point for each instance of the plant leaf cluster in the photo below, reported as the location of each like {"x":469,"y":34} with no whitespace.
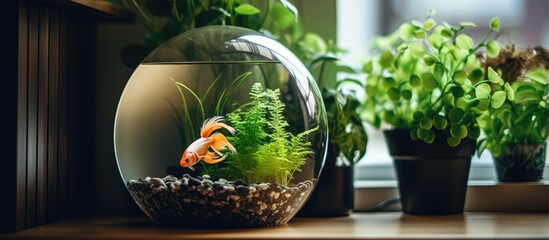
{"x":426,"y":78}
{"x":346,"y":128}
{"x":164,"y":19}
{"x":523,"y":117}
{"x":266,"y":150}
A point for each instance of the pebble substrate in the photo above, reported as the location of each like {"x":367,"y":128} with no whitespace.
{"x":199,"y":202}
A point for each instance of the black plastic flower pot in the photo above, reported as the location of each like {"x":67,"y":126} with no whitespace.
{"x":432,"y":178}
{"x":334,"y":193}
{"x":522,"y":163}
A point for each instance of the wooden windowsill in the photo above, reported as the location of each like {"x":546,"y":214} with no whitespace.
{"x":385,"y":225}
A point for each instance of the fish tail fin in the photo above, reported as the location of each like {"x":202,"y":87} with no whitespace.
{"x":219,"y":141}
{"x":212,"y":124}
{"x":212,"y":158}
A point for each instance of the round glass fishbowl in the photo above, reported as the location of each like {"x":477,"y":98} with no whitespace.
{"x":220,"y":127}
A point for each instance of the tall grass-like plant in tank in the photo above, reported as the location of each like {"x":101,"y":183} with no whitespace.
{"x":426,"y":78}
{"x":191,"y":112}
{"x":266,"y":150}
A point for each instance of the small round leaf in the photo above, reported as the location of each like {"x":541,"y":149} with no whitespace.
{"x":430,"y":138}
{"x":386,"y":59}
{"x":428,"y":24}
{"x":429,"y":81}
{"x":426,"y":123}
{"x":413,"y":134}
{"x":422,"y":133}
{"x":461,"y":103}
{"x":388,"y":82}
{"x":494,"y":77}
{"x":474,"y":133}
{"x":464,"y":41}
{"x":453,"y":141}
{"x":440,"y":122}
{"x":483,"y":91}
{"x":446,"y":33}
{"x":420,"y":34}
{"x":415,"y":81}
{"x":435,"y":40}
{"x":456,"y":115}
{"x":368,"y":67}
{"x":406,"y":94}
{"x":406,"y":31}
{"x":429,"y":60}
{"x":459,"y":77}
{"x":476,"y":74}
{"x":457,"y":91}
{"x":492,"y":49}
{"x":416,"y":49}
{"x":393,"y":93}
{"x":494,"y":24}
{"x":498,"y":98}
{"x":458,"y":131}
{"x":417,"y":115}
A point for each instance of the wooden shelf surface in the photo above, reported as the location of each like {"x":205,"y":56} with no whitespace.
{"x":386,"y":225}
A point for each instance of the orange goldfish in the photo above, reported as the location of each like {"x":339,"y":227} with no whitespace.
{"x":198,"y":150}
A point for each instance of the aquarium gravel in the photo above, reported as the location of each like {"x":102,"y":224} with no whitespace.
{"x":199,"y":202}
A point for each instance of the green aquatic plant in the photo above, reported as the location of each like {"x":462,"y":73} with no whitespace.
{"x":266,"y":150}
{"x":192,"y":112}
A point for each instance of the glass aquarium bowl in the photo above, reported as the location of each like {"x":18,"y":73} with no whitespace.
{"x":220,"y":127}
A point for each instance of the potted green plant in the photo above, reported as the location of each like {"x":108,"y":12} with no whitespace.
{"x":516,"y":133}
{"x":334,"y":194}
{"x":427,"y":86}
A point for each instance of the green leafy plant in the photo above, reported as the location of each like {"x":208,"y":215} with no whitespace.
{"x":266,"y":150}
{"x":164,"y":19}
{"x":426,"y":78}
{"x":190,"y":115}
{"x":523,"y":117}
{"x":346,"y":128}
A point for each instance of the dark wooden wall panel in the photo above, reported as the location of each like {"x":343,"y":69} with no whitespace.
{"x":53,"y":110}
{"x":47,"y":56}
{"x":42,"y":134}
{"x":21,"y":105}
{"x":32,"y":114}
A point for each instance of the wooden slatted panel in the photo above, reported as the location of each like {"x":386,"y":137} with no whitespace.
{"x":47,"y":110}
{"x":32,"y":114}
{"x":63,"y":130}
{"x":22,"y":116}
{"x":51,"y":171}
{"x":53,"y":116}
{"x":43,"y":107}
